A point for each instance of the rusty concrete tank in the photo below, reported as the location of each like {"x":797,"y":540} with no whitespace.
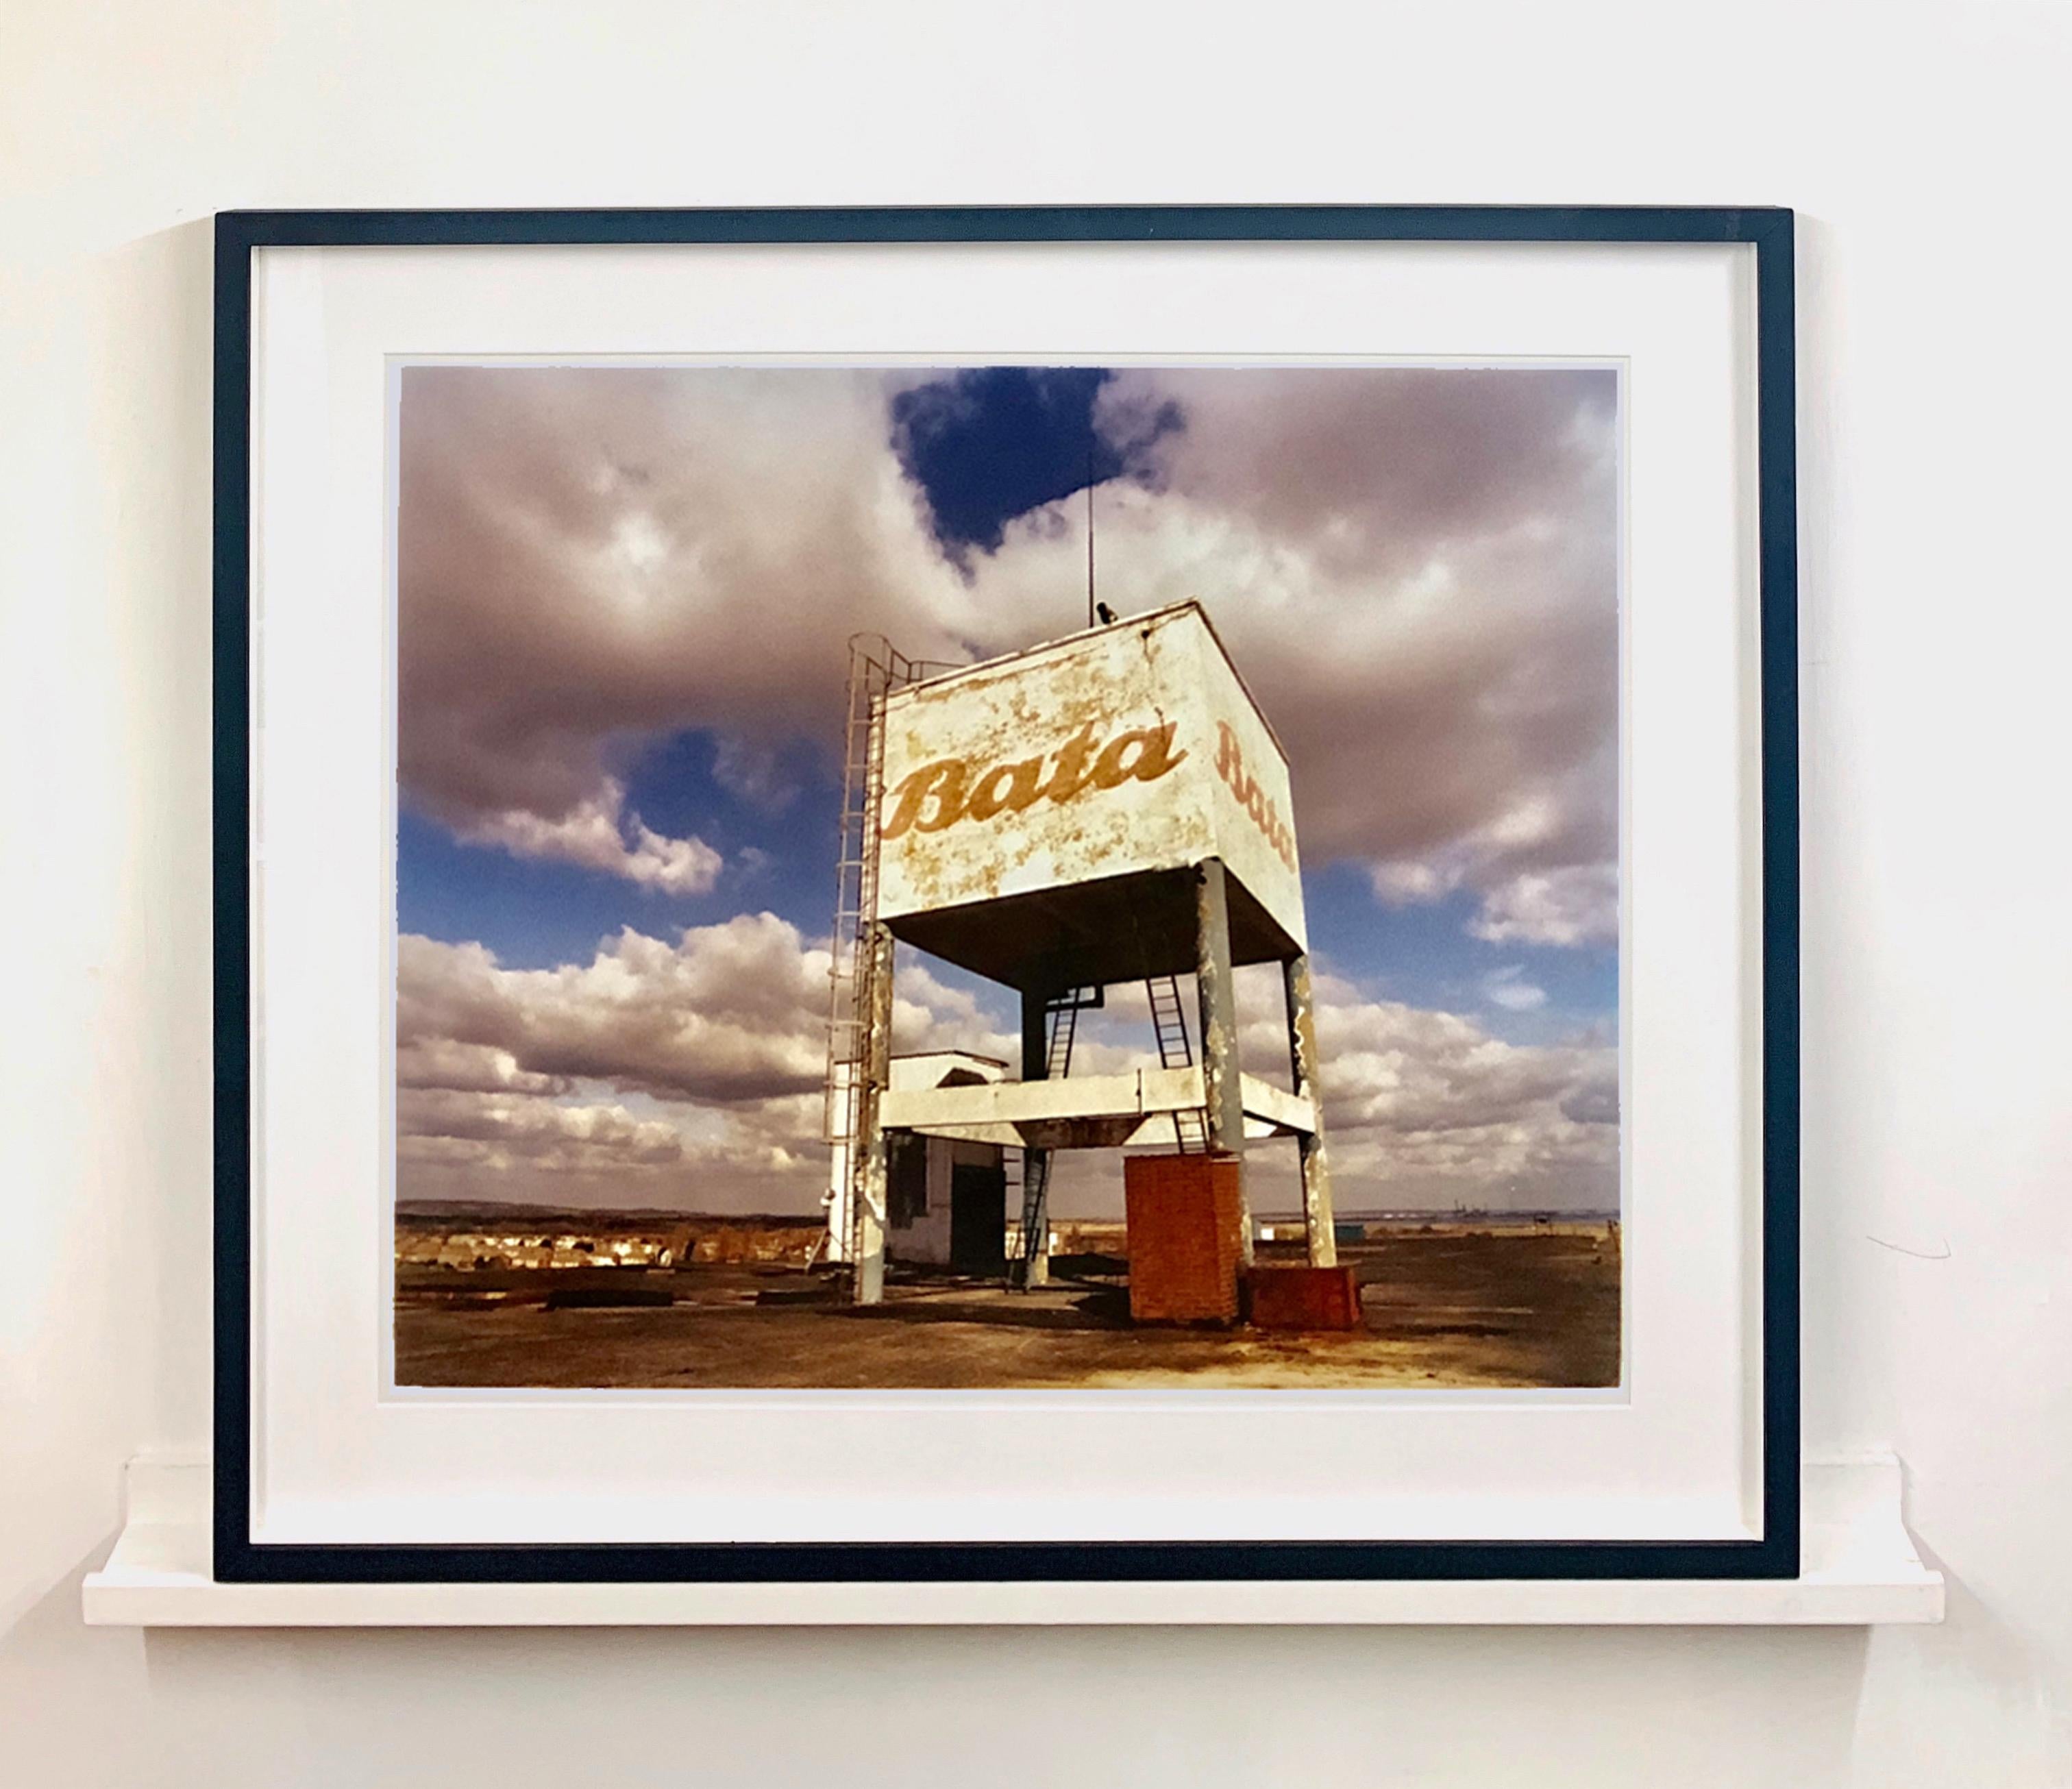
{"x":1044,"y":812}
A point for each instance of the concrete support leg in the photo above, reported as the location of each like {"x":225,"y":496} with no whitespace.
{"x":1034,"y":1268}
{"x":1218,"y":995}
{"x":1316,"y":1163}
{"x":869,"y":1168}
{"x":840,"y":1201}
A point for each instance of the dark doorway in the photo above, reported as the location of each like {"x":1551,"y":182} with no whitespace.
{"x":906,"y":1178}
{"x":978,"y":1218}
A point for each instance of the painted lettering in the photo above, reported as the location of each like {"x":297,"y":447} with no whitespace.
{"x":944,"y":792}
{"x":943,"y":782}
{"x":1070,"y":775}
{"x":1154,"y":757}
{"x":1010,"y":785}
{"x":1258,"y":805}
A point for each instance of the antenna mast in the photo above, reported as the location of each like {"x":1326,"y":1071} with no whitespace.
{"x":1089,"y":522}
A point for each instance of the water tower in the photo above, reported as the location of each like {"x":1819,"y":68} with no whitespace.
{"x":1108,"y":807}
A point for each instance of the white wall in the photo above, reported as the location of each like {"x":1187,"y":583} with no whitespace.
{"x":1925,"y":149}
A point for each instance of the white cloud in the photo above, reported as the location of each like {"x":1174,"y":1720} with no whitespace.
{"x":591,"y":557}
{"x":1427,"y":1109}
{"x":690,"y":1075}
{"x":1577,"y":905}
{"x":1421,"y":1107}
{"x":1417,"y":572}
{"x":498,"y":1131}
{"x":730,"y":1013}
{"x":928,"y":1015}
{"x":686,"y":1073}
{"x":1507,"y":988}
{"x":442,"y":1062}
{"x":599,"y":834}
{"x":1424,"y":1106}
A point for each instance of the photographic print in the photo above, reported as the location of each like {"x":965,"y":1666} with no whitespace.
{"x":1046,"y":877}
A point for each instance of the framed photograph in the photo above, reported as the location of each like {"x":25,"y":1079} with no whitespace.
{"x":1006,"y":894}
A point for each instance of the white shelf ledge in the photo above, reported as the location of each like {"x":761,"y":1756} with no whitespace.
{"x":1859,"y":1568}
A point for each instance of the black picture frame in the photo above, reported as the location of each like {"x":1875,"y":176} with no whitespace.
{"x":238,"y":1558}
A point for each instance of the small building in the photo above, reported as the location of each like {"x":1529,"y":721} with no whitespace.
{"x":946,"y":1198}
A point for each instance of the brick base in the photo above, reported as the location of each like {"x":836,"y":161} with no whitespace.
{"x":1185,"y":1214}
{"x":1303,"y":1298}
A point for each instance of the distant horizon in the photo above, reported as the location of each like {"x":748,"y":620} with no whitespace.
{"x":423,"y":1208}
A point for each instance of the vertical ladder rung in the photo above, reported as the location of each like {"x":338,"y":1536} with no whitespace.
{"x":1168,"y":1025}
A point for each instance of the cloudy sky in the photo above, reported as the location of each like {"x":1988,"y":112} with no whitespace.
{"x":625,"y":594}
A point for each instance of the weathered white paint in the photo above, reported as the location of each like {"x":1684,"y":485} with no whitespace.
{"x":1316,"y":1211}
{"x":926,"y":1068}
{"x":1014,"y":1113}
{"x":867,"y":1175}
{"x":1127,"y":748}
{"x":1285,"y":1114}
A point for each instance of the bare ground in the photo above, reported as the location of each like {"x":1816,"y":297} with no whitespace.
{"x":1444,"y":1308}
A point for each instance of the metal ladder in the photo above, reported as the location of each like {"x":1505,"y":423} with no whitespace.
{"x":875,"y":670}
{"x":1169,"y":1023}
{"x":1062,"y":1023}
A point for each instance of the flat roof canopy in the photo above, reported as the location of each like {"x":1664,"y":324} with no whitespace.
{"x":1090,"y":934}
{"x":1087,"y":1112}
